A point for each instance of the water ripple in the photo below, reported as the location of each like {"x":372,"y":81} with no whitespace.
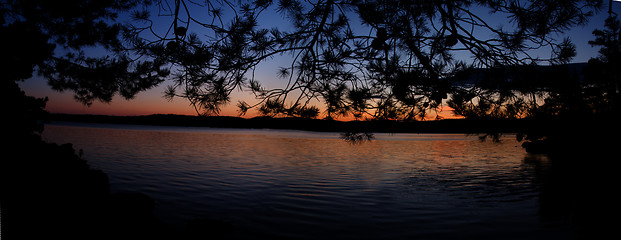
{"x":307,"y":186}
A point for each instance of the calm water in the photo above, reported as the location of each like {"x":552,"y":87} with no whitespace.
{"x":304,"y":185}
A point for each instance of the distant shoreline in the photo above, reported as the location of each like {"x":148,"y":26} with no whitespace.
{"x":469,"y":126}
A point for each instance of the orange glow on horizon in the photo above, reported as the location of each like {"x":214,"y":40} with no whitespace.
{"x":140,"y":106}
{"x":148,"y":105}
{"x":152,"y":102}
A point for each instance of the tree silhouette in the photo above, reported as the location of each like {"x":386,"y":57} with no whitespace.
{"x":377,"y":59}
{"x":580,"y":106}
{"x":602,"y":75}
{"x":586,"y":91}
{"x":366,"y":59}
{"x":597,"y":93}
{"x":52,"y":38}
{"x":46,"y":189}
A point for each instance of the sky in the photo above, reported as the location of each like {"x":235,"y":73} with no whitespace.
{"x":153,"y":102}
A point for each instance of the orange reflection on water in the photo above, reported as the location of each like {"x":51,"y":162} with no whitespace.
{"x":265,"y":178}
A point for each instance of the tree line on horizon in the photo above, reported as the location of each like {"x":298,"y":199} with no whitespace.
{"x":395,"y":60}
{"x":369,"y":59}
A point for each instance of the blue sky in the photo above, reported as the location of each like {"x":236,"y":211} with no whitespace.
{"x":152,"y":102}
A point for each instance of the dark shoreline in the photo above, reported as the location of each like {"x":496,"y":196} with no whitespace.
{"x":578,"y":178}
{"x":469,"y":126}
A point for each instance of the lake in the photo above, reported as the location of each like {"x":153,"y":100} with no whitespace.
{"x":306,"y":185}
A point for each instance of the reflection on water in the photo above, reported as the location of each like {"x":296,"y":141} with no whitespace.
{"x":292,"y":184}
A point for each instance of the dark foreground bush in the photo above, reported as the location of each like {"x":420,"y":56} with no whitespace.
{"x":49,"y":192}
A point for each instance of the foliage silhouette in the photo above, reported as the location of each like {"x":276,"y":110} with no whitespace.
{"x":398,"y":64}
{"x":381,"y":60}
{"x":47,"y":190}
{"x":51,"y":39}
{"x":357,"y":137}
{"x":368,"y":59}
{"x":583,"y":108}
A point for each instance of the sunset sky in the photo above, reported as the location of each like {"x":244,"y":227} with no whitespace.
{"x":152,"y":101}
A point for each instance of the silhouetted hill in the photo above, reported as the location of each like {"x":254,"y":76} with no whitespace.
{"x":319,"y":125}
